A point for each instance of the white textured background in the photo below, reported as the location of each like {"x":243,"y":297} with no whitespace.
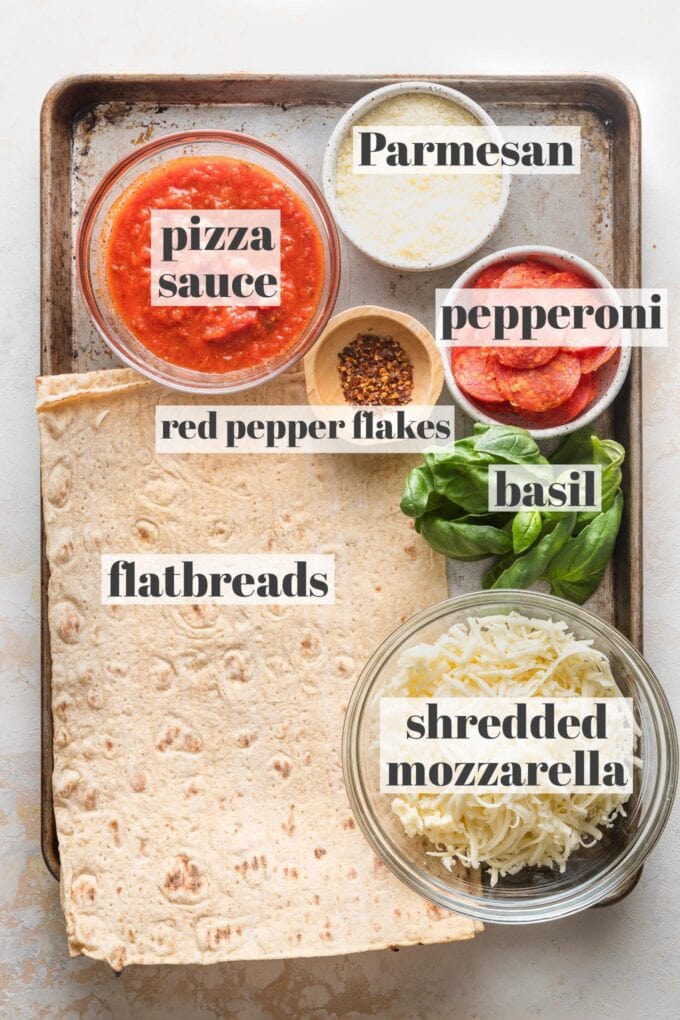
{"x":623,"y":962}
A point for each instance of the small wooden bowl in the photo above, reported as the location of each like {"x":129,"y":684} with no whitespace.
{"x":322,"y":364}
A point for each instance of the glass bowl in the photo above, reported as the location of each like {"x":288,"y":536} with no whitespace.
{"x":534,"y":894}
{"x":92,"y":245}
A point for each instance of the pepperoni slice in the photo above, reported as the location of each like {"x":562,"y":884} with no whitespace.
{"x":567,"y":280}
{"x":495,"y":408}
{"x":527,"y":274}
{"x":592,"y":358}
{"x":525,"y":357}
{"x":474,"y":372}
{"x":522,"y":274}
{"x":584,"y":394}
{"x":542,"y":388}
{"x":490,"y":277}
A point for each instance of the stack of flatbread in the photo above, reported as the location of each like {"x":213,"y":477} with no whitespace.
{"x":198,"y":789}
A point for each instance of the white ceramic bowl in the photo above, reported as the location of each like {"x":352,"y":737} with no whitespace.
{"x":611,"y":376}
{"x":345,"y":124}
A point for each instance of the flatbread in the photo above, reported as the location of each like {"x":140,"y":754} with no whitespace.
{"x":198,"y":789}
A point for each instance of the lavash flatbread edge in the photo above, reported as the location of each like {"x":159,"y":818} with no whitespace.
{"x":58,"y":389}
{"x":364,"y":905}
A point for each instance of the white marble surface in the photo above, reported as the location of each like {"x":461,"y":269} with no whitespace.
{"x":621,"y":962}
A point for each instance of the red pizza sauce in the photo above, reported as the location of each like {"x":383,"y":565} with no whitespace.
{"x":219,"y":338}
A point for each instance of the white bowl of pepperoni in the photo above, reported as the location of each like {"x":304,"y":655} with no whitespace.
{"x":548,"y":390}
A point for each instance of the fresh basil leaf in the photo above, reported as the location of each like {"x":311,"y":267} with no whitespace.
{"x":583,"y":447}
{"x":464,"y":538}
{"x":577,"y":570}
{"x":497,"y":568}
{"x":499,"y":520}
{"x":612,"y":476}
{"x":586,"y":516}
{"x":452,"y":512}
{"x":463,"y":483}
{"x":526,"y":527}
{"x":577,"y":448}
{"x":464,"y":446}
{"x":510,"y":444}
{"x":531,"y":565}
{"x":462,"y":451}
{"x":607,"y":451}
{"x":419,"y":494}
{"x":440,"y":455}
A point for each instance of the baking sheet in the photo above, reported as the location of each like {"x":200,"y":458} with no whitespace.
{"x":90,"y":122}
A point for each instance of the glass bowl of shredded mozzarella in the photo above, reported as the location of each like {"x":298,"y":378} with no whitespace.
{"x":512,"y":856}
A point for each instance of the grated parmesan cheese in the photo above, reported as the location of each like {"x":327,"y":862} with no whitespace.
{"x":416,"y":218}
{"x":506,"y":656}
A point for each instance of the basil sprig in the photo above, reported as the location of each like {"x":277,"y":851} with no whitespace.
{"x":447,"y":496}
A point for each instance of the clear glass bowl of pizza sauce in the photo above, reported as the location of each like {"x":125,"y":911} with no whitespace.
{"x":215,"y":348}
{"x":593,"y":874}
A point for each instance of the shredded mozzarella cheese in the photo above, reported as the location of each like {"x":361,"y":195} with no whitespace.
{"x":506,"y":656}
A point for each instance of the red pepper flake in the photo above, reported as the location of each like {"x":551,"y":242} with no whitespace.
{"x":375,"y":370}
